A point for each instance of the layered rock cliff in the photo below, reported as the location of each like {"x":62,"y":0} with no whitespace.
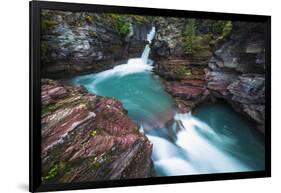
{"x":86,"y":137}
{"x":237,"y":71}
{"x":203,"y":60}
{"x":80,"y":43}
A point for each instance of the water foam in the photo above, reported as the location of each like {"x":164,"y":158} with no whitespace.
{"x":196,"y":150}
{"x":133,"y":65}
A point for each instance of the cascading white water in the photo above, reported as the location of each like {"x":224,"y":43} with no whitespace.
{"x":146,"y":50}
{"x":195,"y":151}
{"x":145,"y":54}
{"x":151,"y":35}
{"x":134,"y":65}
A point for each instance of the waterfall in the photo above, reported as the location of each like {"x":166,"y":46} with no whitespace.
{"x":195,"y":150}
{"x":151,"y":35}
{"x":145,"y":54}
{"x":146,"y":50}
{"x":134,"y":65}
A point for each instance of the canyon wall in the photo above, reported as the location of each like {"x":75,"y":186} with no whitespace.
{"x":80,"y":43}
{"x":203,"y":60}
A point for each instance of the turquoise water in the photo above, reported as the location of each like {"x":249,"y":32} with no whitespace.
{"x":141,"y":93}
{"x":240,"y":137}
{"x":213,"y":139}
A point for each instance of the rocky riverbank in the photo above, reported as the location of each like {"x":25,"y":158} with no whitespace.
{"x":86,"y":137}
{"x":206,"y":60}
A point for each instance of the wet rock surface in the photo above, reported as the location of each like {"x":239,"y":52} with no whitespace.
{"x":228,"y":66}
{"x":86,"y":137}
{"x":80,"y":43}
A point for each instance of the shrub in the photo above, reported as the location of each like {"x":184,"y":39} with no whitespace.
{"x":121,"y":24}
{"x":215,"y":32}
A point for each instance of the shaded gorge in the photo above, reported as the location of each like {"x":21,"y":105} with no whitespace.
{"x":211,"y":139}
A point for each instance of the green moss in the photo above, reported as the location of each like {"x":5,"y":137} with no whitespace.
{"x":183,"y":70}
{"x":55,"y":170}
{"x":89,"y":19}
{"x":227,"y":28}
{"x":222,"y":30}
{"x":189,"y":36}
{"x":121,"y":23}
{"x":92,"y":33}
{"x":83,"y":100}
{"x":140,"y":19}
{"x":98,"y":161}
{"x":47,"y":23}
{"x":93,"y":133}
{"x":50,"y":107}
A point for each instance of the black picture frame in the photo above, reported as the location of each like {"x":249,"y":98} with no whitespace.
{"x":35,"y":96}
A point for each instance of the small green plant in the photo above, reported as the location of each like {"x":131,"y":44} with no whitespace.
{"x":96,"y":163}
{"x":89,"y":19}
{"x":222,"y":29}
{"x":93,"y":133}
{"x":54,"y":171}
{"x":227,"y":28}
{"x":47,"y":22}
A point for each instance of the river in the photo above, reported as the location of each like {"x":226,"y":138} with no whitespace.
{"x":211,"y":139}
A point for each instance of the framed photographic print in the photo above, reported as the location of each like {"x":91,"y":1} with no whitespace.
{"x":125,"y":96}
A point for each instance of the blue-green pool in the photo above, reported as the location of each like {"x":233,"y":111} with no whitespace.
{"x":212,"y":139}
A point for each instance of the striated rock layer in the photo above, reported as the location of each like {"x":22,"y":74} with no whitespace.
{"x":236,"y":71}
{"x":75,"y":43}
{"x":228,"y":66}
{"x":86,"y":137}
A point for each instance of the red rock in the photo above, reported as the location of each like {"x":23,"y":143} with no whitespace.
{"x":87,"y":137}
{"x":185,"y":81}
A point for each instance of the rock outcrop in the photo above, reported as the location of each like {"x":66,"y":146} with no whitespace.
{"x":181,"y":53}
{"x":203,"y":60}
{"x":236,"y":71}
{"x":75,"y":43}
{"x":86,"y":137}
